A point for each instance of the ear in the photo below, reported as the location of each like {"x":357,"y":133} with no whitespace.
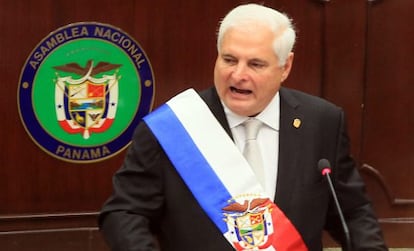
{"x":288,"y":66}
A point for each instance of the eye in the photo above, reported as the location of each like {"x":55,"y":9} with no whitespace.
{"x":229,"y":60}
{"x":257,"y":64}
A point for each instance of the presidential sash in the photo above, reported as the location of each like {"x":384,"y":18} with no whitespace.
{"x":219,"y":177}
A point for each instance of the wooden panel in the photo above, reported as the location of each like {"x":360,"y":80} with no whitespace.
{"x":344,"y":47}
{"x":308,"y":18}
{"x":388,"y":138}
{"x":79,"y":239}
{"x":40,"y":222}
{"x":59,"y":231}
{"x":44,"y":198}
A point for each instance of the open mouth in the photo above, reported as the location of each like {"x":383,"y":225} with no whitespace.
{"x":240,"y":91}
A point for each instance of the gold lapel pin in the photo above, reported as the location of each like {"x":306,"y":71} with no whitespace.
{"x":296,"y":123}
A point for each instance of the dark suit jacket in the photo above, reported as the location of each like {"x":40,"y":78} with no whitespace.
{"x":151,"y":199}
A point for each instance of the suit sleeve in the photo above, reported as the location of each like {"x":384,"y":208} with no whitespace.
{"x":130,"y":214}
{"x":363,"y":226}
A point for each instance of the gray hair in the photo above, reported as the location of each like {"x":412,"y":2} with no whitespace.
{"x":279,"y":23}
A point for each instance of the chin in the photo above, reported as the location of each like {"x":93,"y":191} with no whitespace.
{"x":237,"y":106}
{"x":239,"y":111}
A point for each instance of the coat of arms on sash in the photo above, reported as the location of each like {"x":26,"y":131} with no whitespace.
{"x":83,"y":91}
{"x":250,"y":223}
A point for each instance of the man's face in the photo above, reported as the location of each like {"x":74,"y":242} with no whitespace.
{"x":247,"y":73}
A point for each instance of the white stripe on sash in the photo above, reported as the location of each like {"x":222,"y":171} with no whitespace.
{"x":215,"y":144}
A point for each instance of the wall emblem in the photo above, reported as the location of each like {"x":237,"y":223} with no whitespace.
{"x":83,"y":90}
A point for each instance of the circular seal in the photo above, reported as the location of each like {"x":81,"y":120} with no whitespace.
{"x":83,"y":90}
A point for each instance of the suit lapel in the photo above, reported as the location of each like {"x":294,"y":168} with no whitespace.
{"x":290,"y":140}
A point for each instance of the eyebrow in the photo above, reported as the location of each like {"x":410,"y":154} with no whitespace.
{"x":251,"y":59}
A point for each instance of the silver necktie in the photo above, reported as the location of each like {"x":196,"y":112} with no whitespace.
{"x":251,"y":148}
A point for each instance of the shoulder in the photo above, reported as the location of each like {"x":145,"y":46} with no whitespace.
{"x":209,"y":95}
{"x":212,"y":99}
{"x":306,"y":102}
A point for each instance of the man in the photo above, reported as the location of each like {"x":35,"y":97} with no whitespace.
{"x":185,"y":180}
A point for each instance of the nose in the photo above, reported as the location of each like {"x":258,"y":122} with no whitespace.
{"x":240,"y":72}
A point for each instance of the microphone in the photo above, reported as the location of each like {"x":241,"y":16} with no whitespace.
{"x":325,"y":168}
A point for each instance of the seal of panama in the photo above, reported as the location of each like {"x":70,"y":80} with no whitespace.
{"x":83,"y":90}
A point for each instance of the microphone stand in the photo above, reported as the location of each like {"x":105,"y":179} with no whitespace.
{"x":325,"y":168}
{"x":341,"y":215}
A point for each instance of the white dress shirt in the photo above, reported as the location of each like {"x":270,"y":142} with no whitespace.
{"x":268,"y":139}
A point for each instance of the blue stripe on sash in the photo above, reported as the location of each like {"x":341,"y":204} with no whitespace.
{"x":196,"y":172}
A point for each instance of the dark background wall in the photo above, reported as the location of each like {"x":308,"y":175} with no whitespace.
{"x":356,"y":53}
